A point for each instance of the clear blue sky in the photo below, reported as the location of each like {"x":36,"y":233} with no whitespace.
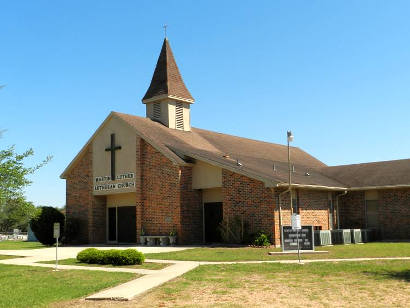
{"x":337,"y":73}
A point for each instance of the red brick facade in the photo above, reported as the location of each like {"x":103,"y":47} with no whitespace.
{"x":165,"y":202}
{"x":313,"y":208}
{"x":352,"y":210}
{"x":250,"y":200}
{"x":393,"y":212}
{"x":169,"y":202}
{"x":90,"y":211}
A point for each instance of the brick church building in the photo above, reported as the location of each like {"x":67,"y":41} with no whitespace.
{"x":157,"y":174}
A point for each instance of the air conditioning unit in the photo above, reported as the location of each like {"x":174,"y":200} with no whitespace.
{"x":341,"y":236}
{"x":323,"y":238}
{"x":368,"y":235}
{"x":356,"y":235}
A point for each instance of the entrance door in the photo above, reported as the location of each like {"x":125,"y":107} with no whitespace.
{"x":112,"y":224}
{"x":127,"y":224}
{"x":122,"y":224}
{"x":213,"y":218}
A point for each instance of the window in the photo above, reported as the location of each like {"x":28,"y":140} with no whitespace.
{"x":179,"y":116}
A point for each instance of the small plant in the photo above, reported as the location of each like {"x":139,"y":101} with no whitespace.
{"x":111,"y":256}
{"x":173,"y":233}
{"x":142,"y":232}
{"x":261,"y":239}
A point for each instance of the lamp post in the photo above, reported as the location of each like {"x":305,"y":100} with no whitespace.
{"x":290,"y":139}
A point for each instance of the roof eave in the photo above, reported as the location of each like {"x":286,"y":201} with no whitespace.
{"x":167,"y":96}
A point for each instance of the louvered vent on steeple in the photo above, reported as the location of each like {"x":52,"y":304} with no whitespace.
{"x":179,"y":116}
{"x":157,"y":111}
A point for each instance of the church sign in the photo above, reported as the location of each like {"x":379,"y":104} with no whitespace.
{"x":101,"y":182}
{"x":291,"y":236}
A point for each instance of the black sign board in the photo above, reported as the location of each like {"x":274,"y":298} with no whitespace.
{"x":305,"y":235}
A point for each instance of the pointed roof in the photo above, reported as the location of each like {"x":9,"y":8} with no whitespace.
{"x":167,"y":81}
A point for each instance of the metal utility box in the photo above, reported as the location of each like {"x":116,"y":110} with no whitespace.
{"x":323,"y":238}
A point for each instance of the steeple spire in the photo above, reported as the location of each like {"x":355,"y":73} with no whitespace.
{"x":167,"y":81}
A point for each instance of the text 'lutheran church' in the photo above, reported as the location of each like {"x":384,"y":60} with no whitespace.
{"x":155,"y":175}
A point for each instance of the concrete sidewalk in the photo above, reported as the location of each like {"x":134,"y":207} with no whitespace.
{"x":133,"y":288}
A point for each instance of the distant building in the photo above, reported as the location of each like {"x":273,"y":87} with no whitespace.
{"x":159,"y":174}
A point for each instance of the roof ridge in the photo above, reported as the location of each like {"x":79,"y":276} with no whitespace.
{"x":371,"y":163}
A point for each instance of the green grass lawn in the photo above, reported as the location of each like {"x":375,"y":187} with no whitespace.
{"x":27,"y":286}
{"x":146,"y":265}
{"x":19,"y":245}
{"x":251,"y":254}
{"x":346,"y":284}
{"x":4,"y":257}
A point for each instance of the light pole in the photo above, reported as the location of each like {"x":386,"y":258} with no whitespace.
{"x":290,"y":139}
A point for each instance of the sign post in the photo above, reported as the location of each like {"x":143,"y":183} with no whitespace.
{"x":56,"y":234}
{"x":296,"y":225}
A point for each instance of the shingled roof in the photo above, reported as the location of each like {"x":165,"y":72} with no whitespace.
{"x":167,"y":80}
{"x":260,"y":160}
{"x":382,"y":173}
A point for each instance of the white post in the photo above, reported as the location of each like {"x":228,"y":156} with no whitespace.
{"x":56,"y":255}
{"x":297,"y":238}
{"x":56,"y":234}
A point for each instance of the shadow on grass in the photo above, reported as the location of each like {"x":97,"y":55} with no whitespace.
{"x":398,"y":275}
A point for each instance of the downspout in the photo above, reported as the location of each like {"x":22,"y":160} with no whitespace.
{"x":280,"y":213}
{"x":337,"y":207}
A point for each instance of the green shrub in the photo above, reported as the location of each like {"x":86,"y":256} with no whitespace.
{"x":261,"y":240}
{"x":131,"y":256}
{"x":111,"y":256}
{"x":42,"y":224}
{"x":90,"y":255}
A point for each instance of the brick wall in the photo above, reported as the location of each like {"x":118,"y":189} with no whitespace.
{"x":352,"y":210}
{"x":190,"y":210}
{"x":313,"y":208}
{"x":169,"y":202}
{"x":160,"y":192}
{"x":394,"y":213}
{"x":82,"y":205}
{"x":248,"y":199}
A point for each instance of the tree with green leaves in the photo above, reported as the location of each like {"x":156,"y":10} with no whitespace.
{"x":15,"y":211}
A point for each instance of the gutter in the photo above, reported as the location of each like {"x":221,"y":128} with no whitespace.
{"x":280,"y":213}
{"x":279,"y":185}
{"x":380,"y":187}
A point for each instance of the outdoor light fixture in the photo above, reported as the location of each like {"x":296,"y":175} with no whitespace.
{"x":290,"y":136}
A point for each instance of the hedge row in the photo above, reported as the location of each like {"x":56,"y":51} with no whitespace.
{"x":111,"y":256}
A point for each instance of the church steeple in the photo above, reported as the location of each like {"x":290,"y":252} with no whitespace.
{"x":167,"y":99}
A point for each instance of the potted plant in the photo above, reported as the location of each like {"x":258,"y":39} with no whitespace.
{"x":172,"y":237}
{"x":142,"y":237}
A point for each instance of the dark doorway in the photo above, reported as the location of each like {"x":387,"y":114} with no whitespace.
{"x":112,"y":224}
{"x":122,"y":224}
{"x":213,"y":218}
{"x":127,"y":224}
